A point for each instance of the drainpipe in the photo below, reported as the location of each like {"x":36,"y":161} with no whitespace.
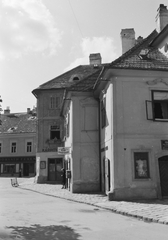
{"x":100,"y":168}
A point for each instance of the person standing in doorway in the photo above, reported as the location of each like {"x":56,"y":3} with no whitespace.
{"x":20,"y":172}
{"x":63,"y":177}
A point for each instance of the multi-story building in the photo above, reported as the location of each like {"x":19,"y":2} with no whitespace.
{"x":18,"y":144}
{"x":51,"y":129}
{"x":113,"y":118}
{"x":134,"y":116}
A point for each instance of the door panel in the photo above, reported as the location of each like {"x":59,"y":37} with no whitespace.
{"x":54,"y":169}
{"x":59,"y":166}
{"x":163,"y":169}
{"x":107,"y":175}
{"x":25,"y":169}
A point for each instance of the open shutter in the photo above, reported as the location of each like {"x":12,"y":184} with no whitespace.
{"x":149,"y":110}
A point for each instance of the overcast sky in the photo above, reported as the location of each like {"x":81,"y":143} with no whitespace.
{"x":41,"y":39}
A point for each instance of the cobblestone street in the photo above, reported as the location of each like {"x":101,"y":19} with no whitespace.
{"x":151,"y":211}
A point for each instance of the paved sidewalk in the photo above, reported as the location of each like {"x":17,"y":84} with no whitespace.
{"x":150,"y":211}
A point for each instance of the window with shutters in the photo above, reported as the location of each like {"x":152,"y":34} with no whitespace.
{"x":157,"y":108}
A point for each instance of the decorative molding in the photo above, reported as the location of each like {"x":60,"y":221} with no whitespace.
{"x":156,"y":81}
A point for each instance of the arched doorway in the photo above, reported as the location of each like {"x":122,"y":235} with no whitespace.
{"x":163,"y":170}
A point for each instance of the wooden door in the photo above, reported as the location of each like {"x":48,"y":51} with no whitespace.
{"x":107,"y":175}
{"x":163,"y":170}
{"x":54,"y":169}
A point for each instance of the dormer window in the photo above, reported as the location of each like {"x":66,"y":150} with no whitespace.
{"x":74,"y":78}
{"x":144,"y":54}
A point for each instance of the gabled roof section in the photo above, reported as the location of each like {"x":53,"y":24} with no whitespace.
{"x":65,"y":80}
{"x":142,"y":56}
{"x":18,"y":123}
{"x":87,"y":84}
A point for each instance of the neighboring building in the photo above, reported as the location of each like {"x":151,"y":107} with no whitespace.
{"x":51,"y":129}
{"x":18,"y":144}
{"x":134,"y":117}
{"x":81,"y":113}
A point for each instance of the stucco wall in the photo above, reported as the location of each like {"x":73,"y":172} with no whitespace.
{"x":85,"y":155}
{"x":21,"y":141}
{"x":133,"y":132}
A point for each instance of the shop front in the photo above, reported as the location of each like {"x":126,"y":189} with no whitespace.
{"x":17,"y":166}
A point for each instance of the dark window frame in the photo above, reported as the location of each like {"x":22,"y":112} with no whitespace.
{"x":55,"y":132}
{"x":154,"y":102}
{"x":151,"y":107}
{"x":29,"y":146}
{"x":13,"y":147}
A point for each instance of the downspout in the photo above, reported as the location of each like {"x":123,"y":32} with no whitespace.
{"x":99,"y":129}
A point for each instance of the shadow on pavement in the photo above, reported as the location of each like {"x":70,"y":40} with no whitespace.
{"x":38,"y":232}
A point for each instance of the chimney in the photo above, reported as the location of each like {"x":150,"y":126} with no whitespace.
{"x":139,"y":39}
{"x":127,"y":39}
{"x":28,"y":110}
{"x":161,"y":18}
{"x":7,"y":111}
{"x":95,"y":59}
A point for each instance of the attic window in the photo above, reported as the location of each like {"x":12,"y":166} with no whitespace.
{"x":74,"y":78}
{"x":12,"y":129}
{"x":32,"y":118}
{"x":144,"y":54}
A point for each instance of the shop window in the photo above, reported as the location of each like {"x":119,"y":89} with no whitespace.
{"x":103,"y":113}
{"x":55,"y":132}
{"x":31,"y":167}
{"x":9,"y":168}
{"x":54,"y":102}
{"x":141,"y":165}
{"x":157,"y":109}
{"x":13,"y":147}
{"x":29,"y":147}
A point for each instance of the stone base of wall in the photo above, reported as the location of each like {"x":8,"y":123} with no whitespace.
{"x":40,"y":179}
{"x":132,"y":194}
{"x":85,"y":187}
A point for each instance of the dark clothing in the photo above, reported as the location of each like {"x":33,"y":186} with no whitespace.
{"x":63,"y":177}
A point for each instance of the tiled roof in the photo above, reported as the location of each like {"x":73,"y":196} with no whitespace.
{"x":87,"y":84}
{"x":65,"y":80}
{"x":154,"y":60}
{"x":18,"y":123}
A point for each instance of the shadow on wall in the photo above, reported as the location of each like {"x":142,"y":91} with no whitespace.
{"x":37,"y":232}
